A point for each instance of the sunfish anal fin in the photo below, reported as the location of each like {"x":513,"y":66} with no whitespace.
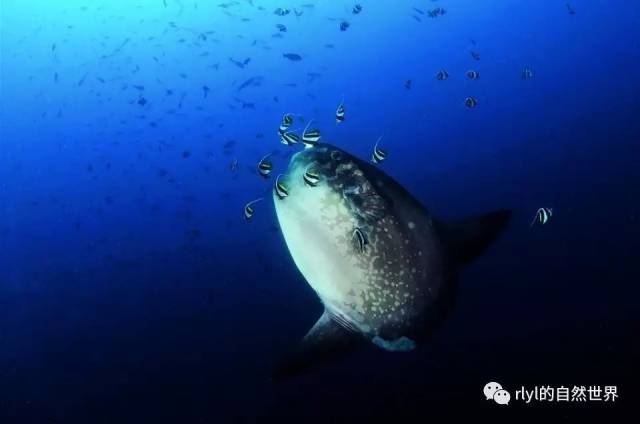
{"x":326,"y":341}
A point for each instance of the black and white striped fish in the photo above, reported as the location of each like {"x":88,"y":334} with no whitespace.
{"x":360,"y":240}
{"x":442,"y":75}
{"x":287,"y":120}
{"x":542,"y":216}
{"x":526,"y":74}
{"x":378,"y":154}
{"x":233,"y":166}
{"x":281,"y":189}
{"x":340,"y":113}
{"x":265,"y":166}
{"x":470,"y":102}
{"x":473,"y":75}
{"x":289,"y":138}
{"x":248,"y":209}
{"x":310,"y":137}
{"x":311,"y":177}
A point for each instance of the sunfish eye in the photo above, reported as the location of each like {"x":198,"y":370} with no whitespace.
{"x":351,"y":190}
{"x":336,"y":155}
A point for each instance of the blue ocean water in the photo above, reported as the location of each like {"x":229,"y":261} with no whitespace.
{"x":132,"y":290}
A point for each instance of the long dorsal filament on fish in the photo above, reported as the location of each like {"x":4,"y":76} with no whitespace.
{"x":340,"y":111}
{"x":265,"y":166}
{"x":281,"y":189}
{"x":311,"y":177}
{"x":289,"y":138}
{"x":285,"y":123}
{"x":378,"y":155}
{"x":249,"y":210}
{"x":310,"y":138}
{"x":542,"y":216}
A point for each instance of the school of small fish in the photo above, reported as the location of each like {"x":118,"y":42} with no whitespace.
{"x":285,"y":24}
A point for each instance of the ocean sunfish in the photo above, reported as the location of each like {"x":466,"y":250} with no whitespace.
{"x":383,"y":268}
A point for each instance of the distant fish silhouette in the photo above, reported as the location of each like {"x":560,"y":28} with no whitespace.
{"x":240,"y":64}
{"x":251,"y":82}
{"x":526,"y":74}
{"x":292,"y":56}
{"x":281,"y":12}
{"x":570,"y":9}
{"x":470,"y":102}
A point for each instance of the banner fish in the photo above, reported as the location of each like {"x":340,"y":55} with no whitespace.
{"x":287,"y":120}
{"x":311,"y":177}
{"x":442,"y":75}
{"x":249,"y":210}
{"x":378,"y":154}
{"x":310,"y":137}
{"x":265,"y":166}
{"x":289,"y":138}
{"x":542,"y":216}
{"x":473,"y":75}
{"x":340,"y":112}
{"x":281,"y":189}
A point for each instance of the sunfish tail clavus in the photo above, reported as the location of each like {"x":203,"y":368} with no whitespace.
{"x":383,"y":268}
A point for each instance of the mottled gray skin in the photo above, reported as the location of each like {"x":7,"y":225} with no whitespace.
{"x":392,"y":291}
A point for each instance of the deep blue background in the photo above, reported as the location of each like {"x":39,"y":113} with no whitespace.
{"x":132,"y":291}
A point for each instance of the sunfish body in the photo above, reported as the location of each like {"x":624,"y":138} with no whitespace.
{"x":382,"y":267}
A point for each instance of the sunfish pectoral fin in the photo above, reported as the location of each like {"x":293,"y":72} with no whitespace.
{"x":326,"y":341}
{"x":467,"y":239}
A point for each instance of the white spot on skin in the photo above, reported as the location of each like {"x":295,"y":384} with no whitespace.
{"x":412,"y":225}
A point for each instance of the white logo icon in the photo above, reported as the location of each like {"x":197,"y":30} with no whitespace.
{"x":502,"y":397}
{"x":495,"y":391}
{"x":490,"y":389}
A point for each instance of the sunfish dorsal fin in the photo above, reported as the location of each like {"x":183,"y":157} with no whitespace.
{"x":327,"y":340}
